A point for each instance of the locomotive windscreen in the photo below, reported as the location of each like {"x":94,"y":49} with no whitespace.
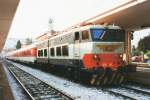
{"x":108,"y":35}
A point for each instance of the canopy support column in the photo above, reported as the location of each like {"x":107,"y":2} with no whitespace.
{"x":128,"y":47}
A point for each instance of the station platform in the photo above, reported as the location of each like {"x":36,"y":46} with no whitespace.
{"x":141,"y":77}
{"x":5,"y":90}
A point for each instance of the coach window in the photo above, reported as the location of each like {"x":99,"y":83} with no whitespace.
{"x":77,"y":36}
{"x":52,"y":52}
{"x":58,"y":51}
{"x":85,"y":35}
{"x":39,"y":53}
{"x":45,"y":52}
{"x":65,"y":50}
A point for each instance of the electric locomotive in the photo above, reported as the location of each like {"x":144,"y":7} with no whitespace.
{"x":93,"y":53}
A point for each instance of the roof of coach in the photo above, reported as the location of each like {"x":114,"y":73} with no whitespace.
{"x":27,"y":47}
{"x":99,"y":26}
{"x":9,"y":53}
{"x":22,"y":49}
{"x":39,"y":42}
{"x":85,"y":28}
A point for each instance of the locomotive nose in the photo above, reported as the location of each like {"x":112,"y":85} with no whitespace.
{"x":112,"y":61}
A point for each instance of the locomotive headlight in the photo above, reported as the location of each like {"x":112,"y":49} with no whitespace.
{"x":121,"y":55}
{"x":96,"y":57}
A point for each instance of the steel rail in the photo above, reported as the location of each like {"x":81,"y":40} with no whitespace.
{"x":136,"y":90}
{"x":118,"y":94}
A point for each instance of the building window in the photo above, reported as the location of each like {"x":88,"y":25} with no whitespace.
{"x":85,"y":35}
{"x":77,"y":35}
{"x":58,"y":51}
{"x":45,"y":52}
{"x":52,"y":52}
{"x":65,"y":50}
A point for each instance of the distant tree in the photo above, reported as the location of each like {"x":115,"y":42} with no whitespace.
{"x":18,"y":45}
{"x":135,"y":51}
{"x":143,"y":44}
{"x":28,"y":41}
{"x":148,"y":54}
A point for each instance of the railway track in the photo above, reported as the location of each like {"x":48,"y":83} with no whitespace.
{"x":145,"y":65}
{"x":37,"y":89}
{"x":125,"y":91}
{"x":118,"y":94}
{"x":136,"y":90}
{"x":129,"y":92}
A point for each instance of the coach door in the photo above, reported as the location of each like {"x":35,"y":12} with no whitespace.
{"x":77,"y":45}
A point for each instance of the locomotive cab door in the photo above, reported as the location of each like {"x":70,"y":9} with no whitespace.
{"x":77,"y":45}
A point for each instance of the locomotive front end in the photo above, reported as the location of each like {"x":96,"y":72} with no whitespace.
{"x":107,"y":50}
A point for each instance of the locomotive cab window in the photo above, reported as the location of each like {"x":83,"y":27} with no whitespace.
{"x":52,"y":51}
{"x":45,"y":52}
{"x":58,"y":51}
{"x":77,"y":36}
{"x":65,"y":50}
{"x":85,"y":35}
{"x":110,"y":35}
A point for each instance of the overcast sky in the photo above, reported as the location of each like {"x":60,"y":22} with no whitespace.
{"x":32,"y":16}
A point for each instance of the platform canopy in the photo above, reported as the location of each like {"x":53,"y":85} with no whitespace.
{"x":7,"y":12}
{"x":134,"y":15}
